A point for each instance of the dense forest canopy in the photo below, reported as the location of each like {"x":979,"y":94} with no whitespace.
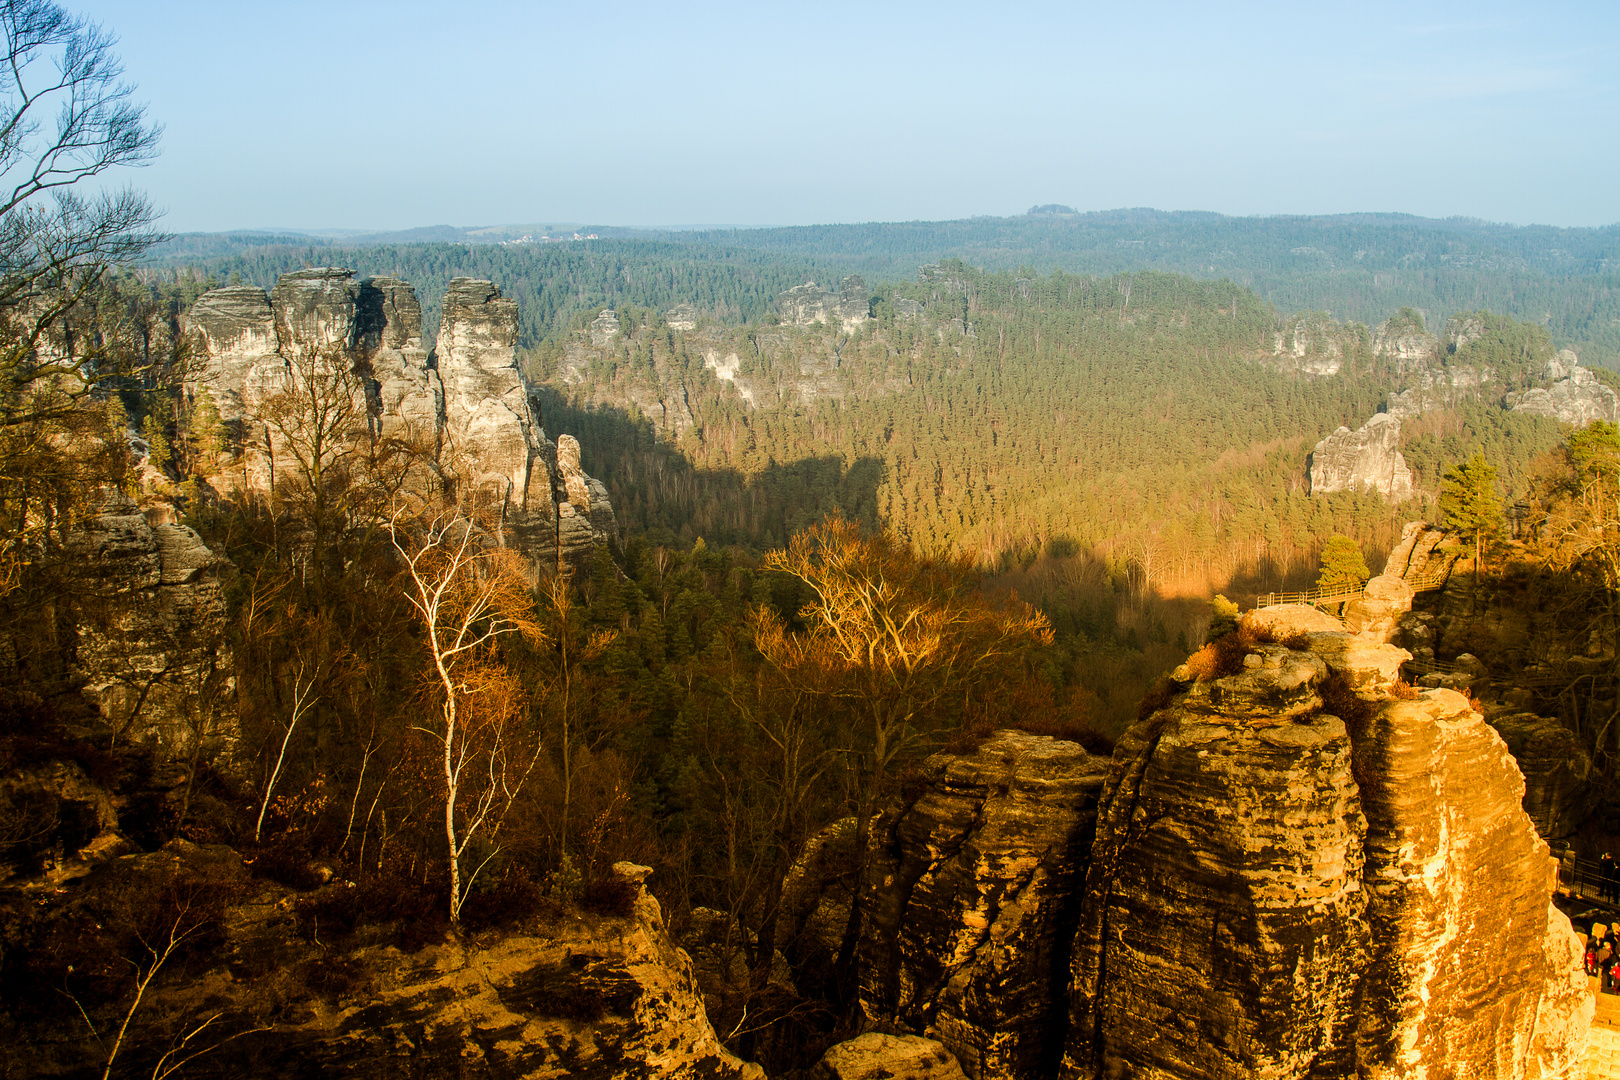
{"x":1362,"y":267}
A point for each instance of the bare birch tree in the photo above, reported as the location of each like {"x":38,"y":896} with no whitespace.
{"x":468,"y":594}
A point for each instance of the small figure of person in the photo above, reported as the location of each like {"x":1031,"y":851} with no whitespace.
{"x":1605,"y":958}
{"x":1608,"y":878}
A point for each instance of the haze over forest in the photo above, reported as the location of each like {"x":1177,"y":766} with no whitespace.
{"x":1032,"y":543}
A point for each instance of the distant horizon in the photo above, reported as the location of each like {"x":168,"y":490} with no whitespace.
{"x":560,"y":224}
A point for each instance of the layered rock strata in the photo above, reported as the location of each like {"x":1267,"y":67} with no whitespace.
{"x":974,"y":892}
{"x":1281,"y":891}
{"x":608,"y":996}
{"x":850,"y":307}
{"x":465,"y":405}
{"x":1578,"y":398}
{"x":150,"y":622}
{"x":1365,"y":460}
{"x":1558,"y":774}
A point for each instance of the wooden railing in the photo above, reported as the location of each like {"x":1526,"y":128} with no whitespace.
{"x":1340,"y":593}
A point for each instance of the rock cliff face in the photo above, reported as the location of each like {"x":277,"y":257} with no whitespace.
{"x":152,"y":646}
{"x":466,"y":403}
{"x":1365,"y":460}
{"x":849,"y":307}
{"x":1280,"y":891}
{"x":1579,"y":399}
{"x":1406,"y":343}
{"x":1294,"y":872}
{"x":975,"y":892}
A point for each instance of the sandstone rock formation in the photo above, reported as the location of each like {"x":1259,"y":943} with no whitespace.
{"x":1406,"y":343}
{"x":975,"y":887}
{"x":1310,"y":346}
{"x":1578,"y":399}
{"x":607,"y":996}
{"x":1298,"y":877}
{"x":1424,"y":550}
{"x":1377,"y":612}
{"x":1365,"y":460}
{"x":466,"y":404}
{"x":848,"y":308}
{"x":150,"y":622}
{"x":875,"y":1056}
{"x":1558,"y":793}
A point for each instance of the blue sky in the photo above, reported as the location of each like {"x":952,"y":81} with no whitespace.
{"x":391,"y":115}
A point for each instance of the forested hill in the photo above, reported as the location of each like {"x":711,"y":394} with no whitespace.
{"x":1140,"y":416}
{"x":1357,"y":266}
{"x":1362,"y":267}
{"x":557,"y":286}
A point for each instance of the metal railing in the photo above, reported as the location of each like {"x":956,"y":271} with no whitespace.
{"x":1583,"y":878}
{"x":1340,"y":593}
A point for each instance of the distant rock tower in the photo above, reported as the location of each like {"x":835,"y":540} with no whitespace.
{"x":467,"y":402}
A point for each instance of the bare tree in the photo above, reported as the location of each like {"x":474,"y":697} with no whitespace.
{"x":66,"y":116}
{"x":468,"y":594}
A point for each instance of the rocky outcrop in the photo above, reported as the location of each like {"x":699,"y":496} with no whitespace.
{"x":604,"y":327}
{"x":849,"y":308}
{"x":974,"y":891}
{"x":1457,"y":906}
{"x":1406,"y":343}
{"x":1578,"y":399}
{"x":150,"y":619}
{"x":1424,"y":550}
{"x":1303,"y":877}
{"x":1365,"y":460}
{"x":465,"y":405}
{"x":1558,"y":791}
{"x":607,"y":996}
{"x":1377,"y":612}
{"x":1311,"y":345}
{"x":875,"y":1056}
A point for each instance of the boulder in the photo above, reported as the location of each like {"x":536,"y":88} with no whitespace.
{"x":1285,"y":620}
{"x":1558,"y":793}
{"x":1365,"y":460}
{"x":973,"y":894}
{"x":875,"y":1056}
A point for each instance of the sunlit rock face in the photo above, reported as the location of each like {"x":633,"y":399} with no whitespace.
{"x":587,"y":995}
{"x":1407,"y":345}
{"x":1278,"y":890}
{"x":1471,"y":972}
{"x":1578,"y":398}
{"x":1365,"y":460}
{"x":849,"y":307}
{"x":975,"y":888}
{"x":465,"y":405}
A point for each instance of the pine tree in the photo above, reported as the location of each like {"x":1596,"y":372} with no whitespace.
{"x":1342,"y":564}
{"x":1469,"y":501}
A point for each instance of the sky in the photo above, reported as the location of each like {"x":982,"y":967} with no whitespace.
{"x":353,"y":114}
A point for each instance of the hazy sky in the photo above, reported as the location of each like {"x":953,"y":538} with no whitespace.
{"x":355,"y":114}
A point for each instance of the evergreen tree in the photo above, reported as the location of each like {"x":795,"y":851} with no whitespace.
{"x":1342,"y":564}
{"x":1469,"y":501}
